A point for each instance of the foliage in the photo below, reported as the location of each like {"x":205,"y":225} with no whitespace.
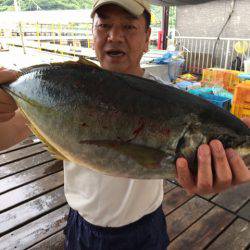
{"x":172,"y":16}
{"x":46,"y":5}
{"x":6,"y":5}
{"x":26,"y":5}
{"x":157,"y":16}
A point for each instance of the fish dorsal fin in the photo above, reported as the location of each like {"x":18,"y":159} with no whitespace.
{"x":148,"y":157}
{"x":83,"y":60}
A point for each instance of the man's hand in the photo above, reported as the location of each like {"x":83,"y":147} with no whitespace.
{"x":13,"y":128}
{"x":229,"y":169}
{"x":7,"y":104}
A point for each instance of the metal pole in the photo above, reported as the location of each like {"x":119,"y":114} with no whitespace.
{"x":165,"y":23}
{"x":20,"y":26}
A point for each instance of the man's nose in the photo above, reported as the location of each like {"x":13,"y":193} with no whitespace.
{"x":116,"y":34}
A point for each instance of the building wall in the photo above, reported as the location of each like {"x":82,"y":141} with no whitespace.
{"x":207,"y":20}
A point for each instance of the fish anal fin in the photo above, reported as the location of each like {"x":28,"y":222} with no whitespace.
{"x":54,"y":152}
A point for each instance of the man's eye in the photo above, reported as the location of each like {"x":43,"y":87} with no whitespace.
{"x":129,"y":27}
{"x":103,"y":26}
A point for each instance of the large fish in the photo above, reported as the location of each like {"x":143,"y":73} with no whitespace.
{"x":119,"y":124}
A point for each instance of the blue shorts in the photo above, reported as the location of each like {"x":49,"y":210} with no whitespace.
{"x":148,"y":233}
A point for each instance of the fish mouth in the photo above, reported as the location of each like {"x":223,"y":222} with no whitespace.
{"x":115,"y":53}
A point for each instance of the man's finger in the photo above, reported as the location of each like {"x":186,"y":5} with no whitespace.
{"x":5,"y":98}
{"x":239,"y":170}
{"x":8,"y":75}
{"x":223,"y":173}
{"x":246,"y":120}
{"x":6,"y":108}
{"x":205,"y":174}
{"x":184,"y":176}
{"x":6,"y":117}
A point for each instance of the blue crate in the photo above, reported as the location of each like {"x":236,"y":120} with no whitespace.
{"x":199,"y":91}
{"x":220,"y":101}
{"x":184,"y":85}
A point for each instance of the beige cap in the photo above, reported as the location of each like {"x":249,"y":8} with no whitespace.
{"x":135,"y":7}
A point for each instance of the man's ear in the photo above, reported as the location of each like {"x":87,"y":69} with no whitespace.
{"x":148,"y":33}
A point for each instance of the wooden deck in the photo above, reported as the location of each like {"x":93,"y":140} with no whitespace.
{"x":33,"y":209}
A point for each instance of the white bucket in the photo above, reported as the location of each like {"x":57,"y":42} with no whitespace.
{"x":247,"y":66}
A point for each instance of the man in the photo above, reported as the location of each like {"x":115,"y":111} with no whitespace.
{"x":118,"y":213}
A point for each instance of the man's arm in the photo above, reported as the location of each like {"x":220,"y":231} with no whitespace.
{"x":229,"y":169}
{"x":13,"y":131}
{"x":13,"y":128}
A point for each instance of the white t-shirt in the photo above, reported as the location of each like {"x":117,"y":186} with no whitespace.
{"x":110,"y":201}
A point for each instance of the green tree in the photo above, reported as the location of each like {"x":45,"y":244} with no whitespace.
{"x":27,"y":5}
{"x":6,"y":5}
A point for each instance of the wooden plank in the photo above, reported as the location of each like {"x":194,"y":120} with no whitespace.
{"x":200,"y":234}
{"x":27,"y":176}
{"x":237,"y":236}
{"x":54,"y":242}
{"x":30,"y":191}
{"x":35,"y":231}
{"x":31,"y":210}
{"x":22,"y":153}
{"x":184,"y":216}
{"x":24,"y":164}
{"x":208,"y":196}
{"x":244,"y":212}
{"x":174,"y":199}
{"x":167,"y":186}
{"x":234,"y":198}
{"x":31,"y":140}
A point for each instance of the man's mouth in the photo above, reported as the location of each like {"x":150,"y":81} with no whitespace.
{"x":115,"y":53}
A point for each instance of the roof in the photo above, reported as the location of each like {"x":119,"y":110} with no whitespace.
{"x":179,"y":2}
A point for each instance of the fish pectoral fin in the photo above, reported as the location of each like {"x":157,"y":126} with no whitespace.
{"x":146,"y":156}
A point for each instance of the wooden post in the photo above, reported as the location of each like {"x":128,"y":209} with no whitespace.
{"x":165,"y":23}
{"x":20,"y":26}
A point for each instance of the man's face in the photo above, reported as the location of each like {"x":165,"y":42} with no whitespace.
{"x":119,"y":39}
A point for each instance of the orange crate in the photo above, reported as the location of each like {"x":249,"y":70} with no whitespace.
{"x":241,"y":101}
{"x":228,"y":79}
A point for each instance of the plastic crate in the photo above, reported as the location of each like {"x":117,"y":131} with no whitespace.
{"x":205,"y":90}
{"x":241,"y":101}
{"x":228,"y":79}
{"x":219,"y":101}
{"x":175,"y":68}
{"x":185,"y":85}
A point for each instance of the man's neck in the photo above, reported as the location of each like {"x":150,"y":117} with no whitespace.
{"x":137,"y":72}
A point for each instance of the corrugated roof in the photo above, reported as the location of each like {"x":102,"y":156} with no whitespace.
{"x":179,"y":2}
